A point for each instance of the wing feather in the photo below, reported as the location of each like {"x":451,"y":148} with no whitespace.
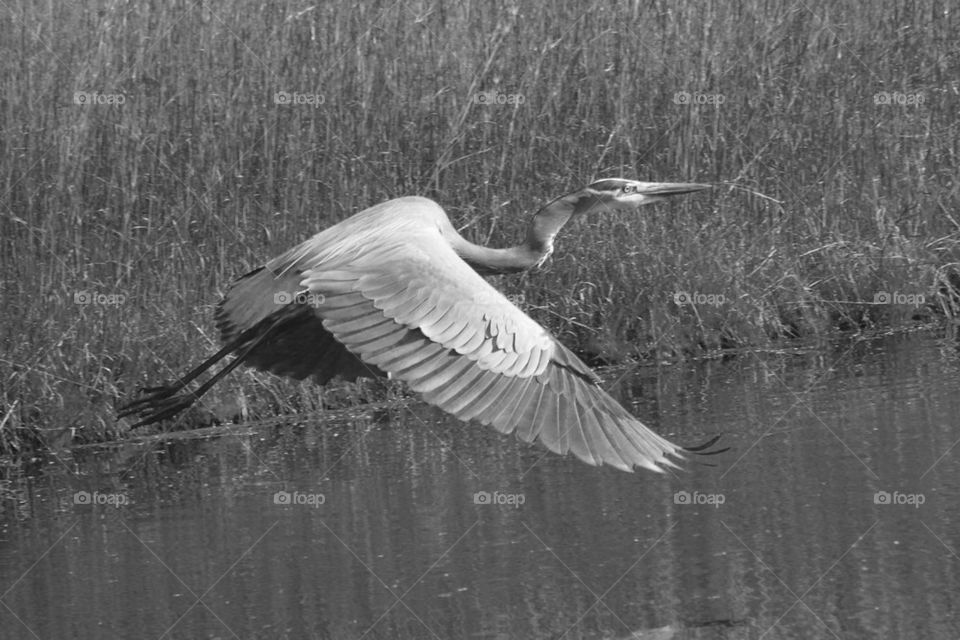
{"x":491,"y":398}
{"x":453,"y":334}
{"x":504,"y":414}
{"x":537,"y":411}
{"x":378,"y":344}
{"x":448,"y":395}
{"x":461,"y":404}
{"x":370,"y":333}
{"x":447,"y":378}
{"x":430,"y":358}
{"x":528,"y":408}
{"x":371,"y":321}
{"x":405,"y":305}
{"x":545,"y":421}
{"x":433,"y":316}
{"x":408,"y":351}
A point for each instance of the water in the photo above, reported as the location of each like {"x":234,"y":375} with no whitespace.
{"x":834,"y":516}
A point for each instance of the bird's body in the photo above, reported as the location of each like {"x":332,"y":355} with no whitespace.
{"x":395,"y":254}
{"x":395,"y":291}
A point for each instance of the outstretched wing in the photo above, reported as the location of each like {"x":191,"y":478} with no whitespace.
{"x":408,"y":305}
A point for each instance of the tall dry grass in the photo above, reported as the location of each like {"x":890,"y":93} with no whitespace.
{"x":843,"y":115}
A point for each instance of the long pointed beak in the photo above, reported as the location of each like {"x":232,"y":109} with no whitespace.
{"x":662,"y":189}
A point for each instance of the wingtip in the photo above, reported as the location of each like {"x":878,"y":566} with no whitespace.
{"x":661,"y":465}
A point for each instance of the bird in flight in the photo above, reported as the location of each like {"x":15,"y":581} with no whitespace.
{"x":395,"y":291}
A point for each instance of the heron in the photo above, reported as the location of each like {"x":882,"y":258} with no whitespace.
{"x":395,"y":291}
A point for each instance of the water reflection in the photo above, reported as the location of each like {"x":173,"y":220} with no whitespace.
{"x":832,"y":516}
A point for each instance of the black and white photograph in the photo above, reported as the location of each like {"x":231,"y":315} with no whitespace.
{"x":479,"y":320}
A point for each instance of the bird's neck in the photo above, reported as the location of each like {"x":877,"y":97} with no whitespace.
{"x":538,"y":244}
{"x":494,"y":262}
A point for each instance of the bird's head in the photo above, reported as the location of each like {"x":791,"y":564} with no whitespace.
{"x":610,"y":194}
{"x":619,"y":194}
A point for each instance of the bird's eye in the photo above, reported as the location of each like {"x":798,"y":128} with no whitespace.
{"x":627,"y":188}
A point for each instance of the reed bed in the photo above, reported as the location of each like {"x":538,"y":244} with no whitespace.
{"x":153,"y":151}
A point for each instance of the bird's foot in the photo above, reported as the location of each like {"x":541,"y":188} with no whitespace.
{"x":158,"y":403}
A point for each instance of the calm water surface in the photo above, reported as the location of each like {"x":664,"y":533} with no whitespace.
{"x":835,"y":515}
